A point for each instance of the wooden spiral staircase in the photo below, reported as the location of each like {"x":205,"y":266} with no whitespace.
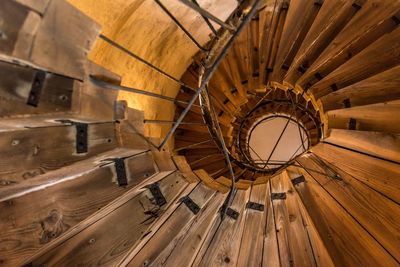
{"x":80,"y":185}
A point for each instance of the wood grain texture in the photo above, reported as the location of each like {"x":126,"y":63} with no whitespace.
{"x":185,"y":245}
{"x":32,"y":220}
{"x":252,"y":243}
{"x":347,"y":242}
{"x":107,"y":240}
{"x":177,"y":222}
{"x":376,"y":89}
{"x":30,"y":152}
{"x":378,"y":174}
{"x":380,"y":219}
{"x":379,"y":144}
{"x":63,"y":40}
{"x":294,"y":245}
{"x":37,"y":5}
{"x":271,"y":251}
{"x":15,"y":87}
{"x":222,"y":251}
{"x":209,"y":181}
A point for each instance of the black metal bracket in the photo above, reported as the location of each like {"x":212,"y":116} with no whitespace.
{"x":352,"y":124}
{"x":193,"y":207}
{"x":275,"y":196}
{"x":157,"y":194}
{"x":255,"y":206}
{"x":346,"y":103}
{"x":298,"y":180}
{"x":81,"y":140}
{"x":232,"y":213}
{"x":36,"y":89}
{"x":121,"y":171}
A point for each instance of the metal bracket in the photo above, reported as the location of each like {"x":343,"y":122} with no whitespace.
{"x":190,"y":204}
{"x":81,"y":140}
{"x":255,"y":206}
{"x":352,"y":124}
{"x":121,"y":171}
{"x":232,"y":213}
{"x":36,"y":89}
{"x":298,"y":180}
{"x":346,"y":103}
{"x":278,"y":195}
{"x":157,"y":194}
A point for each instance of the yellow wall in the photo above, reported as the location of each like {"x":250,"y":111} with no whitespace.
{"x":143,"y":28}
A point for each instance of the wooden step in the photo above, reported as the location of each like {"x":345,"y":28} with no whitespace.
{"x":61,"y":32}
{"x":29,"y":152}
{"x":331,"y":218}
{"x":300,"y":16}
{"x":379,"y":220}
{"x":175,"y":226}
{"x":45,"y":208}
{"x":382,"y":117}
{"x":383,"y":87}
{"x":372,"y":21}
{"x":106,"y":236}
{"x":378,"y":57}
{"x":331,"y":19}
{"x":379,"y":144}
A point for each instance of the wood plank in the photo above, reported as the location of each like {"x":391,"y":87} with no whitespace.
{"x":379,"y":174}
{"x":175,"y":224}
{"x":63,"y":40}
{"x":185,"y":246}
{"x":321,"y":255}
{"x":209,"y":181}
{"x":294,"y":245}
{"x":379,"y":88}
{"x":32,"y":219}
{"x":222,"y":251}
{"x":18,"y":29}
{"x":252,"y":243}
{"x":380,"y":219}
{"x":379,"y":144}
{"x":271,"y":251}
{"x":346,"y":241}
{"x":331,"y":18}
{"x":15,"y":88}
{"x":37,"y":5}
{"x":370,"y":23}
{"x":241,"y":184}
{"x":382,"y":117}
{"x":28,"y":153}
{"x":106,"y":240}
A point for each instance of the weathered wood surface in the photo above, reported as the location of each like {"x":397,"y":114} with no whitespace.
{"x":381,"y":117}
{"x":371,"y":22}
{"x":252,"y":243}
{"x":37,"y":5}
{"x":175,"y":224}
{"x":15,"y":87}
{"x":379,"y":144}
{"x":184,"y":169}
{"x":107,"y":239}
{"x":222,"y":251}
{"x":63,"y":40}
{"x":354,"y":246}
{"x":294,"y":245}
{"x":209,"y":181}
{"x":18,"y":28}
{"x":380,"y":219}
{"x":183,"y":249}
{"x":271,"y":250}
{"x":331,"y":18}
{"x":41,"y":213}
{"x":31,"y":152}
{"x":379,"y":88}
{"x":381,"y":175}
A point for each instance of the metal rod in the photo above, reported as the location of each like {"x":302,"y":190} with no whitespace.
{"x":207,"y":20}
{"x":120,"y":47}
{"x":111,"y":86}
{"x":180,"y":25}
{"x":207,"y":14}
{"x":193,"y":145}
{"x":209,"y":72}
{"x":171,"y":122}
